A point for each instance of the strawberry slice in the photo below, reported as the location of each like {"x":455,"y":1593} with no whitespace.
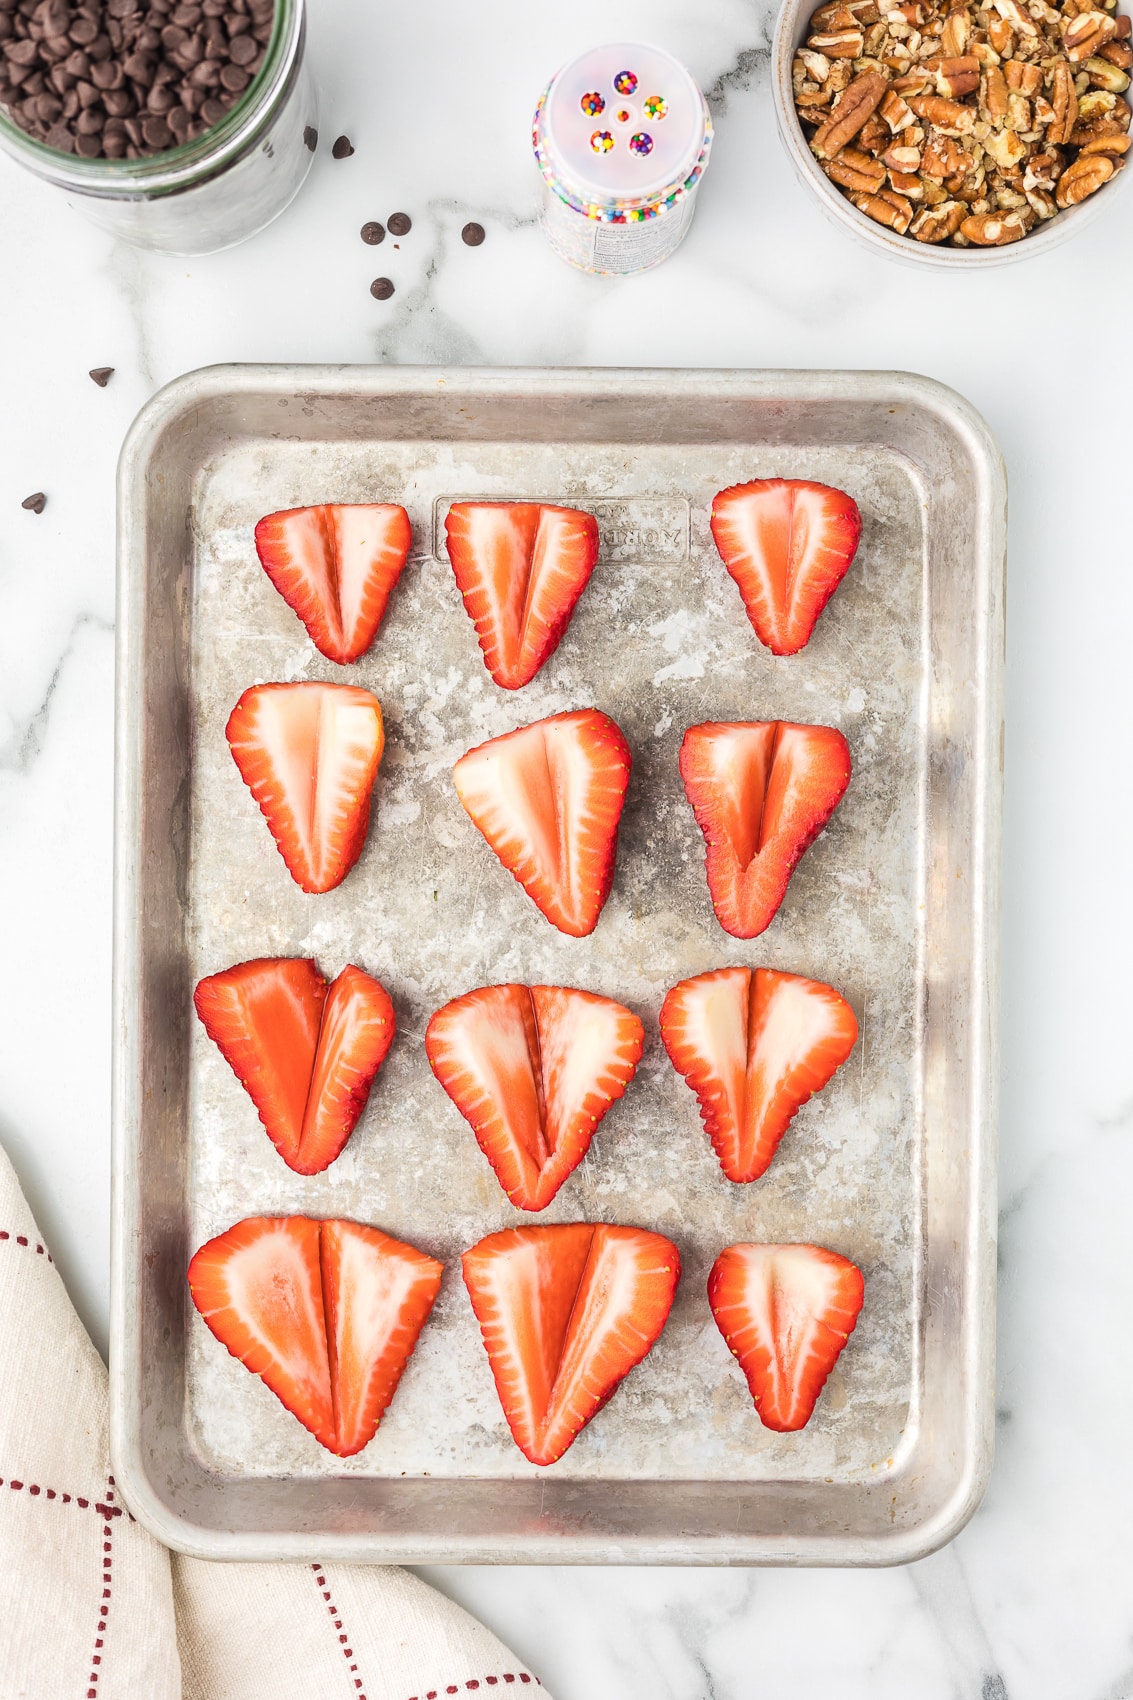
{"x":533,"y":1069}
{"x":754,"y":1045}
{"x":788,"y":544}
{"x":335,"y":565}
{"x":786,"y":1311}
{"x":309,"y":754}
{"x":565,"y":1313}
{"x":548,"y":799}
{"x":306,"y":1054}
{"x":520,"y":567}
{"x":326,"y":1313}
{"x":762,"y":791}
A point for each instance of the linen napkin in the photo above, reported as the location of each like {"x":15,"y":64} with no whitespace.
{"x":94,"y":1606}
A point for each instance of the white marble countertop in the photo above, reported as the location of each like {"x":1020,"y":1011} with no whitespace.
{"x":1033,"y":1599}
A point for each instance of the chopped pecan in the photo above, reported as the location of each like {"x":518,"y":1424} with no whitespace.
{"x":1085,"y":34}
{"x":902,"y":159}
{"x":896,"y":113}
{"x":887,"y":208}
{"x":948,"y":116}
{"x":812,"y":104}
{"x":860,"y":11}
{"x":854,"y":106}
{"x":908,"y":184}
{"x":1043,"y":171}
{"x":838,"y":44}
{"x":1022,"y":78}
{"x":914,"y":82}
{"x":1118,"y":53}
{"x":957,"y":32}
{"x":873,"y":137}
{"x":993,"y":96}
{"x":984,"y":53}
{"x":937,"y":224}
{"x":1065,"y":102}
{"x":1000,"y":34}
{"x":1114,"y":146}
{"x":817,"y":65}
{"x":942,"y":158}
{"x":993,"y":230}
{"x":1103,"y":75}
{"x":954,"y":77}
{"x":866,"y":182}
{"x":1018,"y":114}
{"x":1015,"y":17}
{"x":841,"y":76}
{"x":1087,"y":174}
{"x":1005,"y":148}
{"x":1094,"y":105}
{"x":1041,"y":203}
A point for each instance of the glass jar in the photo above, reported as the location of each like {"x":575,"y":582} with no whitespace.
{"x":212,"y":192}
{"x":622,"y":137}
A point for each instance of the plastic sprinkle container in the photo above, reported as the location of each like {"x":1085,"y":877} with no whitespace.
{"x":622,"y":137}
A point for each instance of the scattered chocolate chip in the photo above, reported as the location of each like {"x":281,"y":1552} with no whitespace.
{"x":400,"y":224}
{"x":102,"y":375}
{"x":311,"y":138}
{"x":35,"y":503}
{"x":342,"y":148}
{"x":472,"y":235}
{"x":381,"y":289}
{"x":373,"y":233}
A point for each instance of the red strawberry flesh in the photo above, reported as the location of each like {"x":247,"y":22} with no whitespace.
{"x":786,"y":1312}
{"x":533,"y":1069}
{"x":335,"y":565}
{"x":761,"y":791}
{"x":326,"y":1313}
{"x":788,"y":544}
{"x":548,"y":799}
{"x":521,"y":568}
{"x":565,"y":1313}
{"x":754,"y":1045}
{"x":309,"y":754}
{"x":306,"y":1054}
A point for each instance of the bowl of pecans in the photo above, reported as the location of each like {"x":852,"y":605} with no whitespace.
{"x":956,"y":131}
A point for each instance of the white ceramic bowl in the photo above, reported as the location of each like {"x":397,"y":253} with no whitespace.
{"x":790,"y":31}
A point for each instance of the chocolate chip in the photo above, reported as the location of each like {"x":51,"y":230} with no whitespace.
{"x":242,"y":49}
{"x":35,"y":503}
{"x":342,"y":148}
{"x":101,"y":375}
{"x":381,"y":289}
{"x":233,"y":79}
{"x":472,"y":235}
{"x":400,"y":224}
{"x":373,"y":233}
{"x":310,"y":138}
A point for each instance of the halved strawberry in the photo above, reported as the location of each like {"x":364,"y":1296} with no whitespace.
{"x":309,"y":754}
{"x":326,"y":1313}
{"x":788,"y":544}
{"x":520,"y":567}
{"x":335,"y":565}
{"x":533,"y":1069}
{"x":762,"y":791}
{"x":565,"y":1313}
{"x":548,"y":799}
{"x":754,"y":1045}
{"x":786,"y":1311}
{"x":305,"y":1053}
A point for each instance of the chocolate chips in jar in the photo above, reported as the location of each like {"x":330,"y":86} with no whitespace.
{"x":127,"y":79}
{"x":966,"y":122}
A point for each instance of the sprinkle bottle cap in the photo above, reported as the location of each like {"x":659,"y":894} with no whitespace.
{"x":623,"y":124}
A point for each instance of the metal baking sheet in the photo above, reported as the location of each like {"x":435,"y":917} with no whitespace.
{"x":896,"y":904}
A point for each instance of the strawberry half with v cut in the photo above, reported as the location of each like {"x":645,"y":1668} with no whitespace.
{"x":754,"y":1044}
{"x":309,"y":754}
{"x":335,"y":565}
{"x":533,"y":1069}
{"x":786,"y":1312}
{"x":520,"y":567}
{"x":565,"y":1313}
{"x":548,"y":799}
{"x":761,"y":791}
{"x":305,"y":1052}
{"x":325,"y":1313}
{"x":788,"y":544}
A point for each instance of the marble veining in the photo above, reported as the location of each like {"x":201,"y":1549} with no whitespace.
{"x":1033,"y":1601}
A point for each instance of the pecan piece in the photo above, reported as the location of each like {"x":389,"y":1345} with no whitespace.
{"x":896,"y":113}
{"x":937,"y":224}
{"x":1041,"y":203}
{"x":873,"y":136}
{"x":942,"y":158}
{"x":1085,"y":34}
{"x":945,"y":115}
{"x":906,"y":183}
{"x":993,"y":98}
{"x":1118,"y":53}
{"x":1016,"y":19}
{"x":957,"y":32}
{"x":1018,"y":114}
{"x":1103,"y":75}
{"x":864,"y":178}
{"x":1022,"y":78}
{"x":1065,"y":102}
{"x":954,"y":77}
{"x":993,"y":230}
{"x":854,"y":106}
{"x":1114,"y":146}
{"x":838,"y":44}
{"x":816,"y":65}
{"x":1000,"y":35}
{"x":902,"y":159}
{"x":1084,"y":177}
{"x":887,"y":208}
{"x":1005,"y":148}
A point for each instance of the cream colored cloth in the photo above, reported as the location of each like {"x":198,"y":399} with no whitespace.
{"x":93,"y":1606}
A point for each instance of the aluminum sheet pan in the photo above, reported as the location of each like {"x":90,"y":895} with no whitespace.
{"x":896,"y":904}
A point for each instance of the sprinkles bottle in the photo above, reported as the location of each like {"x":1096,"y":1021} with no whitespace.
{"x":622,"y":137}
